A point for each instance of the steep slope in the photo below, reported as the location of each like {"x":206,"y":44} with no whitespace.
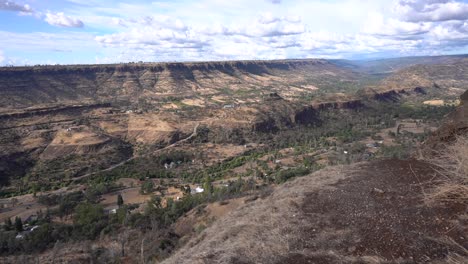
{"x":445,"y":79}
{"x":388,"y":66}
{"x":364,"y":213}
{"x":27,"y":86}
{"x":456,"y":124}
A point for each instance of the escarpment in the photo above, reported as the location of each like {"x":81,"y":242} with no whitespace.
{"x":27,"y":86}
{"x":108,"y":114}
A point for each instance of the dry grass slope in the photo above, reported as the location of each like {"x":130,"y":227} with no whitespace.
{"x":362,"y":213}
{"x":260,"y":231}
{"x":452,"y":163}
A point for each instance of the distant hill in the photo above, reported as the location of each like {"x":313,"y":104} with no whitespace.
{"x":444,"y":79}
{"x":388,"y":66}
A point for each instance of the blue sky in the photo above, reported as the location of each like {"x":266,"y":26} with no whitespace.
{"x":104,"y":31}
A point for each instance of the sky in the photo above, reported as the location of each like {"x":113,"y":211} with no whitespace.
{"x":104,"y":31}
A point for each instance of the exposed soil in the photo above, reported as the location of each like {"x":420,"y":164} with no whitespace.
{"x":381,"y":212}
{"x":364,"y":213}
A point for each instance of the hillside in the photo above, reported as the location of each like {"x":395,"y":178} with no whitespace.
{"x":448,"y":79}
{"x":155,"y":153}
{"x":364,"y":213}
{"x":60,"y":121}
{"x":374,"y":212}
{"x":27,"y":86}
{"x":388,"y":66}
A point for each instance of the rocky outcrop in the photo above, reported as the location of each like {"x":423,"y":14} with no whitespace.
{"x":456,"y":124}
{"x":351,"y":104}
{"x":51,"y":110}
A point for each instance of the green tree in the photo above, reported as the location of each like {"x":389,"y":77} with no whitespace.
{"x":18,"y":224}
{"x":87,"y":213}
{"x":89,"y":220}
{"x":147,"y":187}
{"x":208,"y":185}
{"x":120,"y":200}
{"x":8,"y":224}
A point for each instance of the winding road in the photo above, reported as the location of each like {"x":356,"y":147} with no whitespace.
{"x":194,"y":134}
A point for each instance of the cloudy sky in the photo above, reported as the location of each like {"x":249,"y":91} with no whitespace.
{"x":105,"y":31}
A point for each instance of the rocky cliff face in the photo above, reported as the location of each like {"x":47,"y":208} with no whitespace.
{"x":126,"y":108}
{"x":26,"y":86}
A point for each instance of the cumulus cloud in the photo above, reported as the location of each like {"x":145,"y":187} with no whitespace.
{"x":150,"y":36}
{"x":152,"y":21}
{"x":431,"y":10}
{"x":180,"y":30}
{"x":265,"y":25}
{"x":13,"y":6}
{"x":378,"y":25}
{"x":61,"y":20}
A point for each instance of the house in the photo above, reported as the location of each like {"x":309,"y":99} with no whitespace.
{"x":25,"y":232}
{"x":198,"y":189}
{"x":229,"y":106}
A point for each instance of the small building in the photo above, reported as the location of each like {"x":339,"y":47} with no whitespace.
{"x":198,"y":189}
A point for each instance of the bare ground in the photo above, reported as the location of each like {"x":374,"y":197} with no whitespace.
{"x":364,"y":213}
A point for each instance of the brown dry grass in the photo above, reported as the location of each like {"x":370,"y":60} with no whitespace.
{"x":259,"y":231}
{"x":452,"y":164}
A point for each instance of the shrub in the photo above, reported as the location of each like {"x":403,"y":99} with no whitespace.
{"x":285,"y":175}
{"x":89,"y":220}
{"x":452,"y":163}
{"x":147,"y":187}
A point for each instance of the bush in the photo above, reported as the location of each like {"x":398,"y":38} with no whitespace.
{"x":397,"y":152}
{"x":147,"y":187}
{"x":284,"y":175}
{"x":89,"y":220}
{"x":452,"y":163}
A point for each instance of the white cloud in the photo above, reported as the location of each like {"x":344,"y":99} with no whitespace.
{"x":13,"y":6}
{"x":2,"y":57}
{"x":431,"y":10}
{"x":378,"y":25}
{"x":268,"y":29}
{"x":61,"y":20}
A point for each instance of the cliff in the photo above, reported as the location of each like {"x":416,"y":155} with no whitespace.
{"x":27,"y":86}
